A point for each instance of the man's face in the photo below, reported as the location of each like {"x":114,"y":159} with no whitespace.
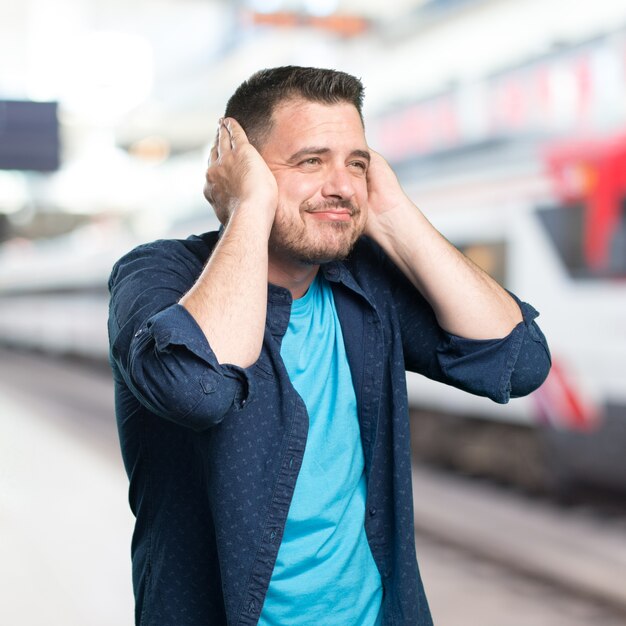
{"x":319,"y":157}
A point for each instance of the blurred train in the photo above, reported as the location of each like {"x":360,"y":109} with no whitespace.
{"x":525,"y":171}
{"x":536,"y":198}
{"x":549,"y":223}
{"x":550,"y":226}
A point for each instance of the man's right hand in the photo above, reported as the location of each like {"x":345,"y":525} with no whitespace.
{"x":229,"y":299}
{"x":238,"y":176}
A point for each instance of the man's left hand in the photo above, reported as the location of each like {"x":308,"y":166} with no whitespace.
{"x":386,"y":198}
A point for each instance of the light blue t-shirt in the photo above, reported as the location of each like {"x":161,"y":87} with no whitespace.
{"x":324,"y":572}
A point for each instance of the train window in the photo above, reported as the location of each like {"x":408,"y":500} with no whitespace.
{"x":490,"y":257}
{"x":617,"y":249}
{"x":586,"y":249}
{"x":564,"y":225}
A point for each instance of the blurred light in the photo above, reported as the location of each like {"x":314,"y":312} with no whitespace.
{"x":48,"y":30}
{"x":321,"y":8}
{"x":13,"y":192}
{"x":564,"y":93}
{"x":106,"y":74}
{"x":265,"y":6}
{"x":153,"y":149}
{"x":339,"y":24}
{"x":101,"y":178}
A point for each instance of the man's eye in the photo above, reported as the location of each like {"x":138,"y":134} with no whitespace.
{"x":360,"y":165}
{"x":311,"y":161}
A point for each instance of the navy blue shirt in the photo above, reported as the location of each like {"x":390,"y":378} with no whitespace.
{"x":213,"y":450}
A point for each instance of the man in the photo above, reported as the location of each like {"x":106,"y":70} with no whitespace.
{"x":265,"y":428}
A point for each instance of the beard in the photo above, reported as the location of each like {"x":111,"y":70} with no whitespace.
{"x":308,"y":241}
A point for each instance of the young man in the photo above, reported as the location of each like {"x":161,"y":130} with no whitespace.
{"x":260,"y":371}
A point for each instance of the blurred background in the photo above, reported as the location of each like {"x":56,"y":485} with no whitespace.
{"x":506,"y":123}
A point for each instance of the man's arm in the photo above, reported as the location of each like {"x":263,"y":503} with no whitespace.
{"x":466,"y":301}
{"x":229,"y":299}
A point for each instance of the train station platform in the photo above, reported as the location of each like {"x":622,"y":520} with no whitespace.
{"x":65,"y":525}
{"x":487,"y":557}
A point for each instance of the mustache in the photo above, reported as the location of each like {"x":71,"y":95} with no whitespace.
{"x":331,"y":205}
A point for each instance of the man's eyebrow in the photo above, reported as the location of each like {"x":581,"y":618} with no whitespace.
{"x":309,"y":150}
{"x":316,"y":151}
{"x":361,"y":153}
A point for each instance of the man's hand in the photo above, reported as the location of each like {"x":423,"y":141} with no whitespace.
{"x":466,"y":301}
{"x":385,"y":196}
{"x":237,"y":175}
{"x":229,"y":299}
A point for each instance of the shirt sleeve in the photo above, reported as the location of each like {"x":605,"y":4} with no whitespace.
{"x":499,"y":369}
{"x":158,"y":348}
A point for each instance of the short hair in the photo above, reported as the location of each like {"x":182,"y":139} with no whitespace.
{"x":256,"y":99}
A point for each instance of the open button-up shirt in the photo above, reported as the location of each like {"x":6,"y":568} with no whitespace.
{"x":213,"y":450}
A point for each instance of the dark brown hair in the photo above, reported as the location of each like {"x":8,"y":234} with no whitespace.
{"x":255,"y":100}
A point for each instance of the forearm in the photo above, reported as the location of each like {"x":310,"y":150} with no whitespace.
{"x":157,"y":347}
{"x":229,"y":299}
{"x":466,"y":300}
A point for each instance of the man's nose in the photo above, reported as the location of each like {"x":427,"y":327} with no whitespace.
{"x":339,"y":183}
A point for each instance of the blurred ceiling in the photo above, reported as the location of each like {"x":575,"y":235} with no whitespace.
{"x":152,"y":77}
{"x":160,"y":65}
{"x":166,"y":67}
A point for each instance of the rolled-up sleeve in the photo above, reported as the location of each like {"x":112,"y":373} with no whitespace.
{"x":158,"y":348}
{"x":499,"y":369}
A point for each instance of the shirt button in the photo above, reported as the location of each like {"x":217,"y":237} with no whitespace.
{"x":373,"y":510}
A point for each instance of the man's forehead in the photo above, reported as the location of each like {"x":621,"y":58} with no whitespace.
{"x":296,"y":122}
{"x":301,"y":107}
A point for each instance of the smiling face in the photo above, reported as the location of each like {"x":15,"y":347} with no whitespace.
{"x":319,"y":157}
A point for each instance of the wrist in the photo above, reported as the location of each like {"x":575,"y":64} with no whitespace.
{"x":249,"y":215}
{"x":393,"y":223}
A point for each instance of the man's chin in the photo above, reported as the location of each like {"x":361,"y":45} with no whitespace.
{"x":333,"y":242}
{"x":324,"y":255}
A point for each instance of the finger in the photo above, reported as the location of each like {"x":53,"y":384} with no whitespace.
{"x":213,"y":156}
{"x":229,"y":133}
{"x":237,"y":133}
{"x":224,"y":142}
{"x":213,"y":152}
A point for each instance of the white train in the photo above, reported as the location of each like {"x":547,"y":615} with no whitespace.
{"x":525,"y":170}
{"x":550,"y":225}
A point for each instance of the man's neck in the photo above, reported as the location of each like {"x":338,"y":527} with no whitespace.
{"x":297,"y":279}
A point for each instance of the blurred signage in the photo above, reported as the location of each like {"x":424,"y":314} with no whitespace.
{"x":29,"y":136}
{"x":581,"y":90}
{"x":339,"y":24}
